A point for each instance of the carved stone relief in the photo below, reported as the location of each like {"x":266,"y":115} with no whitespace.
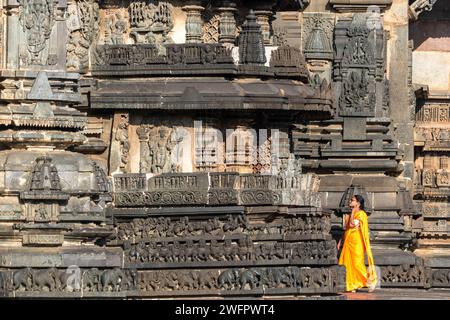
{"x":359,"y":65}
{"x":157,"y":149}
{"x":116,"y":29}
{"x":83,"y":23}
{"x":317,"y":36}
{"x":124,"y":143}
{"x":37,"y":18}
{"x":151,"y":21}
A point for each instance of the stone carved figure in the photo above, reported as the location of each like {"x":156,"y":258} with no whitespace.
{"x":115,"y":29}
{"x":84,"y":35}
{"x":37,"y":18}
{"x":443,"y":178}
{"x":227,"y":279}
{"x":111,"y":279}
{"x":22,"y":280}
{"x":357,"y":51}
{"x":122,"y":138}
{"x":44,"y":280}
{"x":151,"y":21}
{"x":356,"y":95}
{"x":157,"y":154}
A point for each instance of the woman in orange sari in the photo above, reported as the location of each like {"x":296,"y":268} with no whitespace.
{"x":356,"y":243}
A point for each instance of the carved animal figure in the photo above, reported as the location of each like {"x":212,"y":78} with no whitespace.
{"x":441,"y":277}
{"x":277,"y":276}
{"x":129,"y":280}
{"x":111,"y":280}
{"x":186,"y":281}
{"x":227,"y":279}
{"x":22,"y":279}
{"x":44,"y":279}
{"x":250,"y":277}
{"x":300,"y":277}
{"x":91,"y":280}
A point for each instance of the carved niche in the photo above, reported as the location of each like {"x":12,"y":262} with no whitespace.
{"x":83,"y":24}
{"x":37,"y":18}
{"x":151,"y":21}
{"x":44,"y":192}
{"x":359,"y":66}
{"x":157,"y":145}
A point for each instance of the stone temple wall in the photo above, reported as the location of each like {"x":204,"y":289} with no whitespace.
{"x":158,"y":148}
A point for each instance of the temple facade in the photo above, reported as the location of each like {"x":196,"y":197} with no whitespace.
{"x":209,"y":148}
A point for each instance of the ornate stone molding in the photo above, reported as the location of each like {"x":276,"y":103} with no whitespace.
{"x":344,"y":6}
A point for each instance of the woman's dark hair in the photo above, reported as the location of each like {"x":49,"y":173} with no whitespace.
{"x":360,"y":199}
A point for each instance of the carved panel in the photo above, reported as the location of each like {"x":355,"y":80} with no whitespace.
{"x":52,"y":280}
{"x":124,"y":143}
{"x":404,"y":276}
{"x":228,"y":251}
{"x":157,"y":145}
{"x":302,"y":227}
{"x":440,"y":278}
{"x":37,"y":18}
{"x":317,"y":35}
{"x":434,"y":113}
{"x":304,"y":280}
{"x":83,"y":24}
{"x":151,"y":21}
{"x":360,"y":65}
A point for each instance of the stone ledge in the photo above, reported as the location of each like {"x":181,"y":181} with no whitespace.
{"x":344,"y":6}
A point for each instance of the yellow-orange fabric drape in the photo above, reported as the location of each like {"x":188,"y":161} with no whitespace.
{"x":356,"y":243}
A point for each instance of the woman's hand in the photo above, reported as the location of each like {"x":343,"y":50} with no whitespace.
{"x":351,"y":223}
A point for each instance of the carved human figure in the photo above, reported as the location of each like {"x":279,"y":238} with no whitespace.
{"x":428,"y":177}
{"x":122,"y":138}
{"x":118,"y":29}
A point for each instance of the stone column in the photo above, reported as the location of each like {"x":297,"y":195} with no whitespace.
{"x":227,"y":26}
{"x":263,"y":19}
{"x":13,"y":41}
{"x":396,"y":21}
{"x":142,"y":133}
{"x":194,"y":22}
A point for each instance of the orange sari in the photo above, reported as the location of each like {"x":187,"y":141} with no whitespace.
{"x":356,"y":243}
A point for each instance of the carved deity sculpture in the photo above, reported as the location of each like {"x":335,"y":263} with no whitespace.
{"x":122,"y":138}
{"x":156,"y":154}
{"x":83,"y":34}
{"x":151,"y":21}
{"x":37,"y":18}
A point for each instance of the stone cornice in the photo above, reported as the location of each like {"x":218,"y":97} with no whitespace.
{"x":359,"y":5}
